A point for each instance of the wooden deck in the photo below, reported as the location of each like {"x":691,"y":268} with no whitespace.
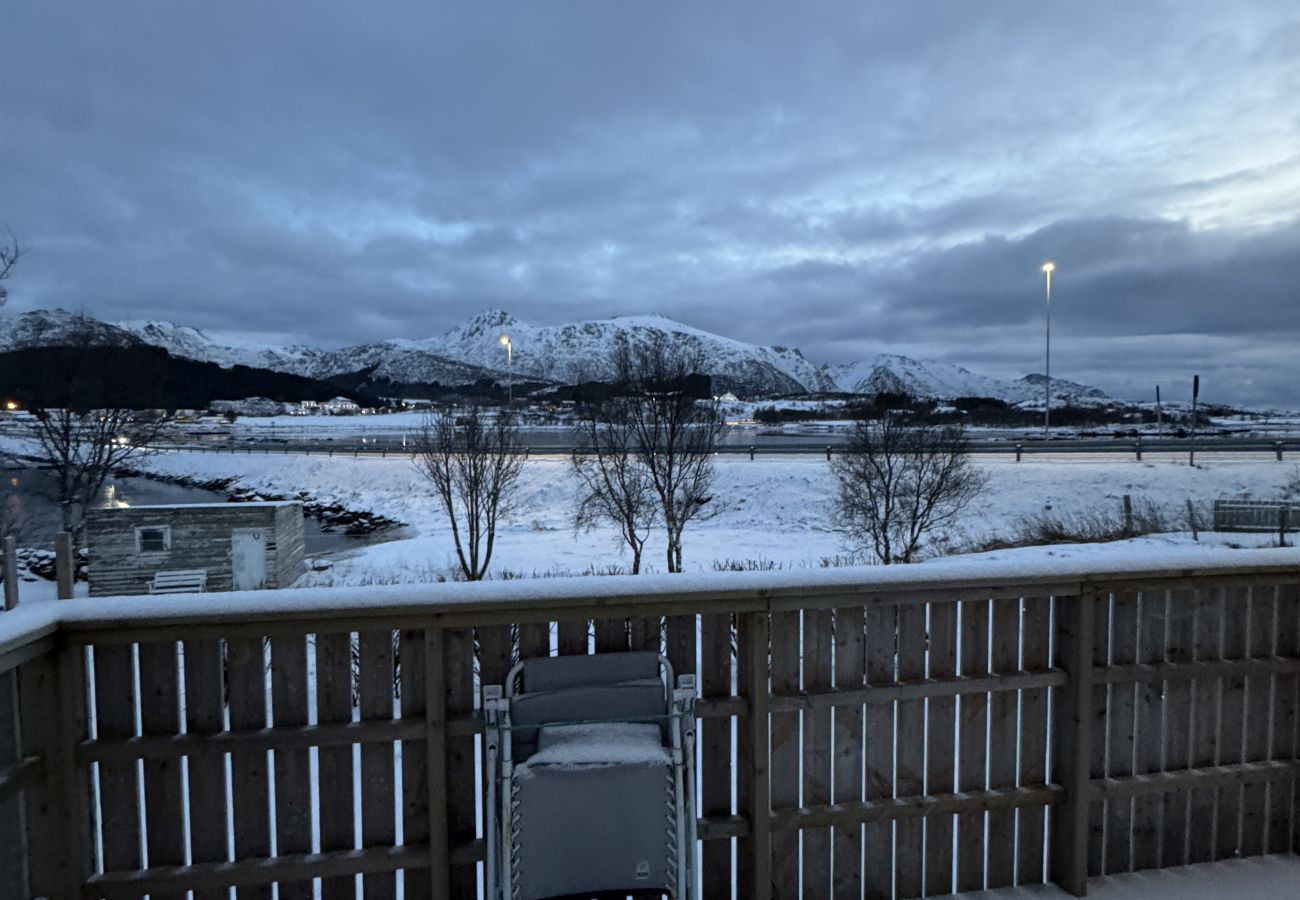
{"x":899,"y":732}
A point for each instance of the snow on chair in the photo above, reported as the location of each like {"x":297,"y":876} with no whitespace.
{"x":590,"y":779}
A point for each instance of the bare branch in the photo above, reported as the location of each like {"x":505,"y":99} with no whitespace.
{"x":11,"y":250}
{"x":896,"y":484}
{"x":473,"y":461}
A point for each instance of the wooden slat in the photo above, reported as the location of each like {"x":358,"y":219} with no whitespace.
{"x":415,"y":773}
{"x":160,"y":714}
{"x":1072,"y":742}
{"x":58,"y":815}
{"x":204,"y":701}
{"x":1097,"y":734}
{"x":13,"y":839}
{"x":1258,"y":720}
{"x":378,"y":815}
{"x":1282,"y":795}
{"x":611,"y":635}
{"x":1035,"y":653}
{"x":115,"y":718}
{"x":1003,"y":727}
{"x":850,"y":674}
{"x":909,"y":860}
{"x":1230,"y":741}
{"x":292,"y":765}
{"x":942,"y":736}
{"x":572,"y":637}
{"x":534,"y":640}
{"x":1180,"y":641}
{"x":974,"y":735}
{"x":682,"y":634}
{"x":334,"y":764}
{"x":785,"y":753}
{"x":461,"y":787}
{"x":922,"y":806}
{"x":1120,"y":732}
{"x":715,"y":749}
{"x":753,"y":794}
{"x":250,"y":779}
{"x":646,"y":633}
{"x":1206,"y":694}
{"x":882,"y":636}
{"x":1149,"y":735}
{"x":818,"y":637}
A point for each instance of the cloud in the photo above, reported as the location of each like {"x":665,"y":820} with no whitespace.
{"x":830,"y":176}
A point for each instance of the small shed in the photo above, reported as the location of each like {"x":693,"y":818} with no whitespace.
{"x":237,"y":546}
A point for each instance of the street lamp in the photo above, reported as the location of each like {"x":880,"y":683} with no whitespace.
{"x":510,"y":373}
{"x":1048,"y":268}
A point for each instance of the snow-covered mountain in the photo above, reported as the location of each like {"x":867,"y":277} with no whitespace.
{"x":59,"y":327}
{"x":584,"y":351}
{"x":895,"y":374}
{"x":558,"y":354}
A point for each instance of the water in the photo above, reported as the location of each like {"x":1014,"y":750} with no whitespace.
{"x":29,"y":506}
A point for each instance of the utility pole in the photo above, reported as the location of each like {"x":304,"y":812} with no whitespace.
{"x":1160,"y":418}
{"x":1196,"y":390}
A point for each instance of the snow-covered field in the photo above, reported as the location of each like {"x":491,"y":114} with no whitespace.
{"x":775,"y":509}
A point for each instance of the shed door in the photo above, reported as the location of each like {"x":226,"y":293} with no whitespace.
{"x":248,"y":558}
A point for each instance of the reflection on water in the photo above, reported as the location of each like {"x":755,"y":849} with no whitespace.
{"x":29,"y":507}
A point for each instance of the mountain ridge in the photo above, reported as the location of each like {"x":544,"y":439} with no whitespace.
{"x":557,"y":354}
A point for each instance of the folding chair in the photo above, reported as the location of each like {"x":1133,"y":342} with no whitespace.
{"x":591,"y":779}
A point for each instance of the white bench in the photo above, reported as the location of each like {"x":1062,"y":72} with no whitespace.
{"x":179,"y":581}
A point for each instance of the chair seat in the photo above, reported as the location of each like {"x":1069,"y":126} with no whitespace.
{"x":594,"y":810}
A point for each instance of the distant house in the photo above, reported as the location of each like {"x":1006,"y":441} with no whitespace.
{"x":340,"y":406}
{"x":221,"y":546}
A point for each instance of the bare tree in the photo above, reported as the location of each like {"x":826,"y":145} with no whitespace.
{"x":11,"y":250}
{"x":83,"y":447}
{"x":673,"y":425}
{"x":898,"y":483}
{"x":84,"y":428}
{"x":614,"y":484}
{"x":474,"y":460}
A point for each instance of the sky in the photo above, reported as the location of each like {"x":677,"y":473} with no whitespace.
{"x":847,"y":178}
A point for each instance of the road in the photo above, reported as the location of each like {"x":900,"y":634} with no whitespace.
{"x":766,"y":444}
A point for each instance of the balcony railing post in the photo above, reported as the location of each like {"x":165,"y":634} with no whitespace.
{"x":435,"y":727}
{"x":53,"y":699}
{"x":760,"y":807}
{"x":11,"y":573}
{"x":1072,"y":739}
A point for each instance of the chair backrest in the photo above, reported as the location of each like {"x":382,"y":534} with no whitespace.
{"x":603,"y":687}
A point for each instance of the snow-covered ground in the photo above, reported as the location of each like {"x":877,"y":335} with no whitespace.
{"x":775,"y":509}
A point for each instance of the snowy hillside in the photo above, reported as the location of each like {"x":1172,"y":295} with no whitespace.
{"x":59,"y":327}
{"x":927,"y":378}
{"x":582,"y":351}
{"x":397,"y":360}
{"x":562,"y":354}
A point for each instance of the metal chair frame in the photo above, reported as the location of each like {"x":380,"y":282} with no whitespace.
{"x":679,"y":704}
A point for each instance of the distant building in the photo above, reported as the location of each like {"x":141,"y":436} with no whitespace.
{"x":340,"y":406}
{"x":236,"y":546}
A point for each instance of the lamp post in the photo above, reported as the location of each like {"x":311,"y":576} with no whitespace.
{"x":510,"y":369}
{"x":1048,"y":268}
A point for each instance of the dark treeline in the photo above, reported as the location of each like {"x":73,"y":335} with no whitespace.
{"x":143,"y":377}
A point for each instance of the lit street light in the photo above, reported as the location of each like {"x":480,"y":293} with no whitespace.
{"x":510,"y":373}
{"x":1048,"y":268}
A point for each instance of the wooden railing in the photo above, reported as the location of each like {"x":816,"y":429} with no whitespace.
{"x":900,"y":731}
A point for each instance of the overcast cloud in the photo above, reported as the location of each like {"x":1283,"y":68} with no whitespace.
{"x":846,"y":178}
